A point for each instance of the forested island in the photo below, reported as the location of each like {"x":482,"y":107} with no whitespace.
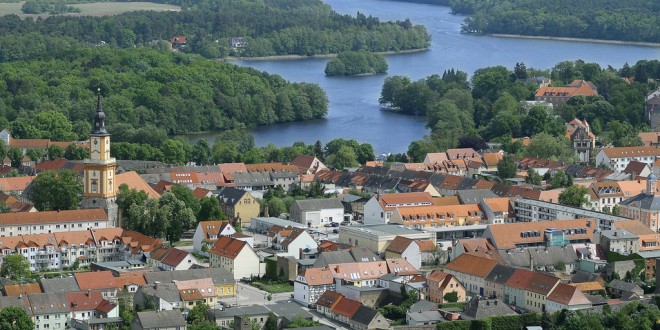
{"x":630,"y":20}
{"x":268,"y":27}
{"x":488,"y":107}
{"x":355,"y":63}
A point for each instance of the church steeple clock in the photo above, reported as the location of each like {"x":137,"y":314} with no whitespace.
{"x":99,"y":189}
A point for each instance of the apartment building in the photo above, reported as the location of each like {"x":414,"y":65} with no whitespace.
{"x":618,"y":158}
{"x":439,"y":216}
{"x":379,"y":209}
{"x":48,"y":222}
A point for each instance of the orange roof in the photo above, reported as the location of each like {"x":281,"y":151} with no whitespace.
{"x":649,"y":137}
{"x":128,"y":279}
{"x":184,"y":177}
{"x":436,"y":157}
{"x":520,"y":279}
{"x":577,"y":87}
{"x":426,"y":245}
{"x":18,"y":183}
{"x":472,"y":265}
{"x":492,"y":158}
{"x":501,"y":204}
{"x":95,"y":280}
{"x":542,"y":283}
{"x":507,"y":235}
{"x":631,"y":152}
{"x":437,"y":275}
{"x":359,"y":271}
{"x":134,"y":181}
{"x":211,"y":178}
{"x":442,"y":213}
{"x":589,"y":286}
{"x":46,"y":217}
{"x":205,"y":286}
{"x":74,"y":238}
{"x":232,"y":167}
{"x":190,"y":294}
{"x":21,"y":289}
{"x":201,"y":192}
{"x":318,"y":276}
{"x":40,"y":240}
{"x":213,"y":228}
{"x":10,"y":242}
{"x":446,"y":200}
{"x":460,"y":153}
{"x":347,"y":307}
{"x":228,"y":247}
{"x":270,"y":167}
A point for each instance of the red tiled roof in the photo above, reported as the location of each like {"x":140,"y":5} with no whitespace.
{"x":53,"y":217}
{"x":134,"y":181}
{"x":228,"y":247}
{"x":318,"y":276}
{"x":399,"y":244}
{"x":347,"y":307}
{"x":329,"y":299}
{"x":426,"y":245}
{"x":400,"y":266}
{"x":95,"y":280}
{"x":18,"y":183}
{"x":84,"y":300}
{"x":21,"y":289}
{"x":472,"y":265}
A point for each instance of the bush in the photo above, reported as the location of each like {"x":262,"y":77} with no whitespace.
{"x":455,"y":325}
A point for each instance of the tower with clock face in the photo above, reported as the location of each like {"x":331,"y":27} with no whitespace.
{"x":99,"y":189}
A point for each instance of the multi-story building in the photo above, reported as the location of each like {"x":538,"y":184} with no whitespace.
{"x":606,"y":194}
{"x":531,"y":210}
{"x":582,"y":139}
{"x":317,"y":212}
{"x":471,"y":271}
{"x":379,"y":208}
{"x":32,"y":223}
{"x":239,"y":205}
{"x":440,"y":283}
{"x":559,"y":95}
{"x":311,"y":284}
{"x":619,"y":158}
{"x":644,"y":207}
{"x":235,"y":256}
{"x":543,"y":233}
{"x":439,"y":216}
{"x":208,"y":232}
{"x":377,"y":237}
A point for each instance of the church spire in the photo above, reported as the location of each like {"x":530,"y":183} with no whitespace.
{"x":99,"y":117}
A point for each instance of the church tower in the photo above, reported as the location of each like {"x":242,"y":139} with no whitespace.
{"x":99,"y":190}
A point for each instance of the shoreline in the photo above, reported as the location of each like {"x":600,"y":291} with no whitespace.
{"x":301,"y":57}
{"x":600,"y":41}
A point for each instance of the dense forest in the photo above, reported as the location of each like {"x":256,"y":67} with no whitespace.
{"x":354,"y":63}
{"x":488,"y":107}
{"x":630,"y":20}
{"x":162,"y":93}
{"x":268,"y":27}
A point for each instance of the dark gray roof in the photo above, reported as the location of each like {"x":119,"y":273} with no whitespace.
{"x":362,"y":254}
{"x":596,"y":299}
{"x":348,"y":198}
{"x":239,"y":311}
{"x":624,"y":286}
{"x":60,"y":285}
{"x":165,"y":291}
{"x":543,"y":256}
{"x":231,"y":195}
{"x":646,"y":202}
{"x":15,"y":301}
{"x":500,"y":274}
{"x":424,"y":305}
{"x":318,"y":204}
{"x":289,"y":311}
{"x":218,"y":275}
{"x":617,"y":234}
{"x":424,"y":316}
{"x":252,"y":179}
{"x":482,"y":308}
{"x":333,"y":257}
{"x":161,"y":319}
{"x":467,"y":183}
{"x":283,"y":175}
{"x":581,"y":276}
{"x":364,"y":315}
{"x":474,"y":196}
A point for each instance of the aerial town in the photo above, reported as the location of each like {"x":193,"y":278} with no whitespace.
{"x":329,"y":164}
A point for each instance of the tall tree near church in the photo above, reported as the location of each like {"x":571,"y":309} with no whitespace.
{"x":55,"y":190}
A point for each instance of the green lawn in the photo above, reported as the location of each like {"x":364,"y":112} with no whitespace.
{"x":273,"y":287}
{"x":93,"y":9}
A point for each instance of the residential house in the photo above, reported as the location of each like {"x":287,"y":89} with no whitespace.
{"x":178,"y":42}
{"x":566,"y":297}
{"x":637,"y":169}
{"x":311,"y":284}
{"x":239,"y":205}
{"x":559,"y":95}
{"x":645,"y":206}
{"x":30,"y":223}
{"x":607,"y":194}
{"x":652,"y":110}
{"x":529,"y":290}
{"x":225,"y":284}
{"x":619,"y":158}
{"x":651,"y":139}
{"x":208,"y":232}
{"x":471,"y":271}
{"x":317,"y":212}
{"x":496,"y":279}
{"x":416,"y":252}
{"x":193,"y":292}
{"x":377,"y":237}
{"x":308,"y":164}
{"x":159,"y":320}
{"x":102,"y":281}
{"x":327,"y":301}
{"x":169,"y":258}
{"x":440,"y":283}
{"x":250,"y":181}
{"x":235,"y":256}
{"x":362,"y":274}
{"x":379,"y":208}
{"x":476,"y":246}
{"x":481,"y":308}
{"x":90,"y":304}
{"x":59,"y":285}
{"x":624,"y":290}
{"x":255,"y":314}
{"x":462,"y":153}
{"x":620,"y":241}
{"x":649,"y":240}
{"x":435,"y":158}
{"x":498,"y":210}
{"x":20,"y":289}
{"x":543,"y":233}
{"x":439,"y":216}
{"x":133,"y":180}
{"x":162,"y":296}
{"x":368,"y":318}
{"x":350,"y":312}
{"x":422,"y":313}
{"x":295,"y":242}
{"x":48,"y":310}
{"x":237,"y":42}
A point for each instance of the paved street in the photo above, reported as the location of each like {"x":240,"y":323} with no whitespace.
{"x":249,"y":295}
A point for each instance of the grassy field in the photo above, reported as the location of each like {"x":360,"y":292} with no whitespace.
{"x":272,"y":287}
{"x":93,"y":9}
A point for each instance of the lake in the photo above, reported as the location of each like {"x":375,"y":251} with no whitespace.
{"x":354,"y":112}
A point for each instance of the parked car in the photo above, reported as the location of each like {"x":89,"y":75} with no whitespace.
{"x":335,"y":224}
{"x":313,"y":231}
{"x":331,"y":224}
{"x":345,"y":223}
{"x":336,"y":231}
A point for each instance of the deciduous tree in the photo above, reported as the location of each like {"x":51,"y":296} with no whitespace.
{"x":56,"y":190}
